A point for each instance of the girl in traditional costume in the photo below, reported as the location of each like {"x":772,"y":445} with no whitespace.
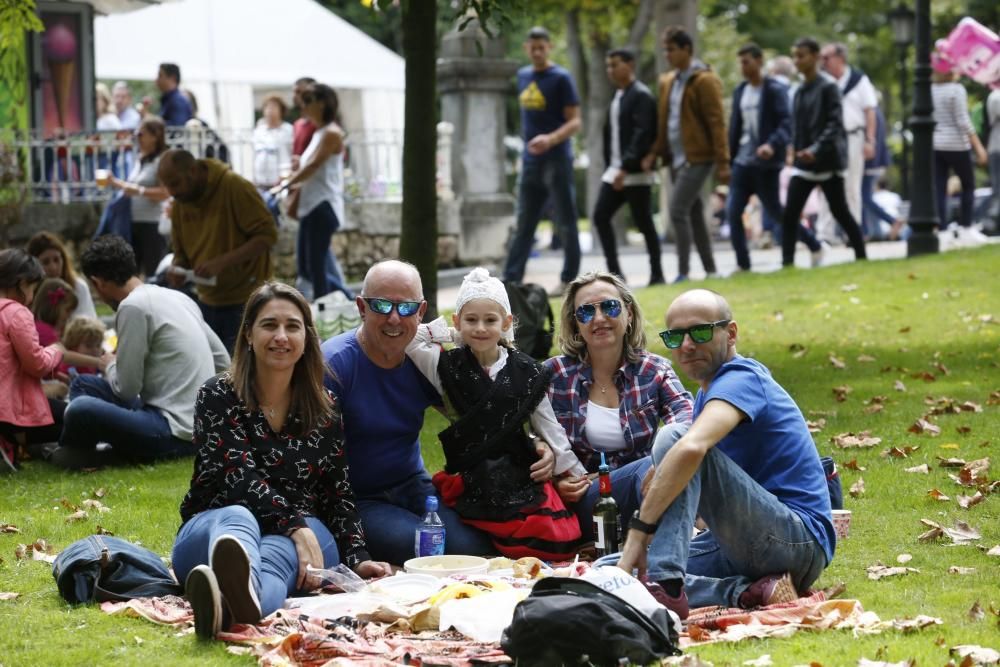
{"x":493,"y":394}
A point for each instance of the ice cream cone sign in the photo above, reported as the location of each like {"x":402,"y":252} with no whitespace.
{"x":59,"y":45}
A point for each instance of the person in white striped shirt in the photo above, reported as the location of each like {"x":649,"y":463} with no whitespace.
{"x":954,"y":136}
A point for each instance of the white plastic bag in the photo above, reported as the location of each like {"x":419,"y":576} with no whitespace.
{"x":483,"y":617}
{"x":619,"y":582}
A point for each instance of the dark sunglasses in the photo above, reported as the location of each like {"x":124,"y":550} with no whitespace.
{"x":385,"y":306}
{"x":700,"y":333}
{"x":610,"y":308}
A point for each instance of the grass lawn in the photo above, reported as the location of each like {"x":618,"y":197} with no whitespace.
{"x":909,"y":321}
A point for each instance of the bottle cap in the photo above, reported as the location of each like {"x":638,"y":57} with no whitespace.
{"x":321,"y":306}
{"x":431,"y":505}
{"x":604,"y":464}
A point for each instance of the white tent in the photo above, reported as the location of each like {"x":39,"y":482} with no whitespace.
{"x":231,"y":50}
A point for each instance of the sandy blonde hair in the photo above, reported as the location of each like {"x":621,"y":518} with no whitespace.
{"x":571,"y":342}
{"x":83,"y":330}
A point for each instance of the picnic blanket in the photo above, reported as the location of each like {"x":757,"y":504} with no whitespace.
{"x":292,"y":637}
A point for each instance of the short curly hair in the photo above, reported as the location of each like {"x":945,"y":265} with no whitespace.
{"x":110,"y":258}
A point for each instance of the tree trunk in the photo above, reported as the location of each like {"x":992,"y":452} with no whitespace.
{"x":674,"y":12}
{"x":418,"y":238}
{"x":577,"y":56}
{"x":643,"y":18}
{"x":595,"y":112}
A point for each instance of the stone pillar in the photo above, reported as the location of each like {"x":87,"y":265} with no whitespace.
{"x":474,"y":82}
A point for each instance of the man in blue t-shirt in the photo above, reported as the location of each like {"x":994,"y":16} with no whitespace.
{"x":175,"y":108}
{"x":382,"y":397}
{"x":550,"y":116}
{"x":747,"y":466}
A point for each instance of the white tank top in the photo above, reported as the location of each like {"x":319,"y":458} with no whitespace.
{"x":604,"y":428}
{"x":326,"y":183}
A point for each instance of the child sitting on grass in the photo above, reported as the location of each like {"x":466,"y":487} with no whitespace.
{"x":86,"y":336}
{"x":492,"y":392}
{"x":54,"y":301}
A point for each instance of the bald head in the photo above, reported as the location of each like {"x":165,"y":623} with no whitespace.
{"x":701,"y":301}
{"x":393,"y":275}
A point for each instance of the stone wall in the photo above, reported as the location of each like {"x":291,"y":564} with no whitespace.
{"x":75,"y":223}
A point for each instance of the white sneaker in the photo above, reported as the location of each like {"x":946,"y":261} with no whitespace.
{"x":970,"y":236}
{"x":816,"y":257}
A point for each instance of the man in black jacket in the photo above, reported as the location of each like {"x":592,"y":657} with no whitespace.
{"x":629,"y":132}
{"x":760,"y":128}
{"x":820,"y":145}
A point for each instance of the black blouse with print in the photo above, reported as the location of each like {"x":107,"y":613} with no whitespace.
{"x":281,"y":478}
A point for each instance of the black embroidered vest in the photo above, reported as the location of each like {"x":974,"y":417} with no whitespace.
{"x":487,"y":444}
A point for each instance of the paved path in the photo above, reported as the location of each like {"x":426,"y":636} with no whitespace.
{"x":545,"y":268}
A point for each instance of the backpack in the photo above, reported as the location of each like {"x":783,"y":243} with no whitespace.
{"x":572,"y":621}
{"x":529,"y":303}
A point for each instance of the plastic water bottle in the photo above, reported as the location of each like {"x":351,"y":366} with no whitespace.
{"x":429,"y":538}
{"x":324,"y":328}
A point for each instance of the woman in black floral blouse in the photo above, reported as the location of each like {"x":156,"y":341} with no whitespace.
{"x":269,"y":495}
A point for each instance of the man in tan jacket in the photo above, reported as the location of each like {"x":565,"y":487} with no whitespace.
{"x":691,"y":138}
{"x":222,"y":231}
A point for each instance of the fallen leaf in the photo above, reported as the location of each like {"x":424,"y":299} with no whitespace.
{"x":924,"y":426}
{"x":994,"y":551}
{"x":965,"y":502}
{"x":922,"y":469}
{"x":880,"y":571}
{"x":850,"y":287}
{"x":849,"y":440}
{"x":974,"y":472}
{"x":96,"y":505}
{"x":926,"y":376}
{"x":874,"y":408}
{"x":100,"y":493}
{"x":962,"y":533}
{"x":21,"y":551}
{"x":762,"y":661}
{"x":853,"y":465}
{"x":969,"y":406}
{"x":865,"y":662}
{"x":942,"y":368}
{"x":103,"y":531}
{"x":898,"y":385}
{"x":949,"y":445}
{"x":9,"y":596}
{"x":9,"y":528}
{"x":858,"y":488}
{"x":937,"y":495}
{"x":994,"y":398}
{"x":866,"y":358}
{"x":950,"y":462}
{"x":973,"y":655}
{"x":935,"y":531}
{"x":798,"y":350}
{"x":903,"y":559}
{"x":898,"y":452}
{"x":79,"y":515}
{"x":68,"y":505}
{"x":138,"y":640}
{"x":905,"y":330}
{"x":955,"y":569}
{"x":816,"y":426}
{"x":779,"y":316}
{"x":840,"y":393}
{"x":963,"y":430}
{"x":836,"y":362}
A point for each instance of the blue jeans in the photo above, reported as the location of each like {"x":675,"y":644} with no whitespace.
{"x":539,"y":180}
{"x":626,"y":486}
{"x":391,"y":517}
{"x":751,"y":535}
{"x":135,"y":431}
{"x":870,"y":209}
{"x":274,"y":562}
{"x":224,"y":321}
{"x":746,"y":181}
{"x":316,"y":261}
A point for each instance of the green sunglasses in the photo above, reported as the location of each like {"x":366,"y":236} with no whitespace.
{"x":700,"y":333}
{"x":385,"y":306}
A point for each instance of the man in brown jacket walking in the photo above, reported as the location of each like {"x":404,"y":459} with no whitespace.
{"x":691,"y":138}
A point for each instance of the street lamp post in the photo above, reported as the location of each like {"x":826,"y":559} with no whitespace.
{"x":901,"y":20}
{"x":923,"y":218}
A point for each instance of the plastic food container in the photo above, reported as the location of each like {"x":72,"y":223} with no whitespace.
{"x":842,"y":523}
{"x":445,"y":566}
{"x":406,"y":588}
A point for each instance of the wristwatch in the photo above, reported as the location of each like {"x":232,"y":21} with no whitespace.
{"x":638,"y":524}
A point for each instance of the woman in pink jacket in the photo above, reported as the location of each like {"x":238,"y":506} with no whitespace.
{"x":27,"y":415}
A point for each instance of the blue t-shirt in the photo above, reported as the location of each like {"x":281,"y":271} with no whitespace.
{"x":175,"y":109}
{"x":774,"y":447}
{"x":543,"y":97}
{"x":383,"y":412}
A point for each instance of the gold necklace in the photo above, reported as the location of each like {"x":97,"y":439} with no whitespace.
{"x":604,"y":389}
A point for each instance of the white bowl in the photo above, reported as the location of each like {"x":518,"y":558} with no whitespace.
{"x":445,"y":566}
{"x":406,"y":588}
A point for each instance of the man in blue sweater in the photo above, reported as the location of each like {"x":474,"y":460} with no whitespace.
{"x":383,"y":397}
{"x":747,"y":466}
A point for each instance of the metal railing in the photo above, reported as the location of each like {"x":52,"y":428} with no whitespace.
{"x":64,"y":169}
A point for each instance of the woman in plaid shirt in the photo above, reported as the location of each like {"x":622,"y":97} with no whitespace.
{"x":609,"y":393}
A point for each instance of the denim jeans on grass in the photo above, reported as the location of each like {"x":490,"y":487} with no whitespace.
{"x":626,"y":487}
{"x":541,"y":180}
{"x":751,"y":534}
{"x":274,"y":562}
{"x":135,"y":431}
{"x":390,"y":519}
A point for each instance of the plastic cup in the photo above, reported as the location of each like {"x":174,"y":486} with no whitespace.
{"x":842,"y":523}
{"x":103,"y":177}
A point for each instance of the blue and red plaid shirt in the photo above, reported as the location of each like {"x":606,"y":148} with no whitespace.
{"x":649,"y":392}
